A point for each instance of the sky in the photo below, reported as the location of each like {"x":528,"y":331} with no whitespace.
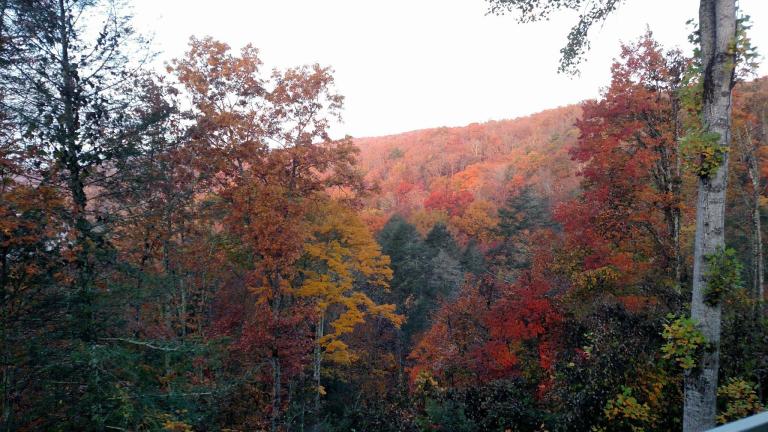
{"x":412,"y":64}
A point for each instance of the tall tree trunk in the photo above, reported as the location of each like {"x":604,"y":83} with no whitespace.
{"x":750,"y":159}
{"x":71,"y":161}
{"x":275,"y":359}
{"x":318,"y":360}
{"x":676,"y":188}
{"x":717,"y":26}
{"x":276,"y":390}
{"x":758,"y":276}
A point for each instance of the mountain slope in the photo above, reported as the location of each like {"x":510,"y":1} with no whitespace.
{"x":438,"y":174}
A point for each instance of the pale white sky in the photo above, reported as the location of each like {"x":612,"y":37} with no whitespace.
{"x":414,"y":64}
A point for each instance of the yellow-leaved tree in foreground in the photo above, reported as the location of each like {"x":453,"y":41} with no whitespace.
{"x":342,"y":265}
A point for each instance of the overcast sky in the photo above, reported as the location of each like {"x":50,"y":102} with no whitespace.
{"x":414,"y":64}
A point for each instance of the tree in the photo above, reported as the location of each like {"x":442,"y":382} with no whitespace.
{"x":750,"y":108}
{"x":478,"y":221}
{"x":341,"y":261}
{"x":717,"y":33}
{"x":453,"y":202}
{"x":29,"y":257}
{"x":523,"y":213}
{"x":629,"y":215}
{"x":409,"y":261}
{"x":268,"y":163}
{"x":73,"y":98}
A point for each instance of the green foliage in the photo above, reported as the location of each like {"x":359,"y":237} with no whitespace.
{"x":425,"y":271}
{"x":521,"y":214}
{"x":590,"y":14}
{"x":497,"y":406}
{"x":380,"y":415}
{"x":745,"y":53}
{"x":445,"y":415}
{"x":472,"y":259}
{"x":396,"y":153}
{"x":684,"y":341}
{"x":738,"y":400}
{"x":703,"y":151}
{"x":616,"y":348}
{"x":409,"y":262}
{"x":723,"y":275}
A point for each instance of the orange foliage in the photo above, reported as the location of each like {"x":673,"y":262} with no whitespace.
{"x":483,"y":161}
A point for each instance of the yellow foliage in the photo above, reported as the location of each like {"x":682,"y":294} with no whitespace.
{"x":740,"y":398}
{"x":592,"y":279}
{"x":425,"y":219}
{"x":478,"y":221}
{"x":176,"y":426}
{"x":626,"y":409}
{"x":341,"y":258}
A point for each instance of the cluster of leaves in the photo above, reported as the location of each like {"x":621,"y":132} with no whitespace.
{"x":591,"y":13}
{"x":705,"y":154}
{"x":684,"y":341}
{"x":739,"y":400}
{"x":625,"y":410}
{"x":723,"y":275}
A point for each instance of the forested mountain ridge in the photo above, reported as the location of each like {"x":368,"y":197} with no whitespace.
{"x":425,"y":170}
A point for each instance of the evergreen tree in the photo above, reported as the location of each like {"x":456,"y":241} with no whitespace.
{"x":410,"y":266}
{"x":522,"y":214}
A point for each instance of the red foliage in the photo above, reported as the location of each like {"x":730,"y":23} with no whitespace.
{"x":453,"y":202}
{"x":628,"y":150}
{"x":525,"y":315}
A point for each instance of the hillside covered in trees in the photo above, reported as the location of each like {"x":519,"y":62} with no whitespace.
{"x":191,"y":250}
{"x":433,"y":172}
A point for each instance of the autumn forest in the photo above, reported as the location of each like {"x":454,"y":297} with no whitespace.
{"x":190,"y":249}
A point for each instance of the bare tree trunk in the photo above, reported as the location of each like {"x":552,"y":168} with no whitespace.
{"x":275,"y":360}
{"x":318,"y":354}
{"x":757,"y":251}
{"x":717,"y":26}
{"x":276,"y":402}
{"x":750,"y":159}
{"x":318,"y":359}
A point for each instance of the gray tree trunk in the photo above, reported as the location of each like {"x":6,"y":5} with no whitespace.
{"x":757,"y":235}
{"x":717,"y":26}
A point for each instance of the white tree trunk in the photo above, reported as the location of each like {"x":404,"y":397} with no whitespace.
{"x":717,"y":26}
{"x":758,"y":278}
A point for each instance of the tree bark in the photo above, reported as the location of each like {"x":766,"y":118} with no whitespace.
{"x":749,"y":152}
{"x":717,"y":27}
{"x":276,"y":390}
{"x":275,"y":358}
